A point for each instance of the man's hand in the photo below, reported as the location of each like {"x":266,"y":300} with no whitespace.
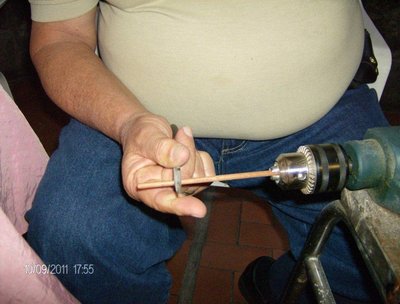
{"x":150,"y":153}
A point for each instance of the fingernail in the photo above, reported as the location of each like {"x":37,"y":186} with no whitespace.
{"x":188,"y":131}
{"x":198,"y":214}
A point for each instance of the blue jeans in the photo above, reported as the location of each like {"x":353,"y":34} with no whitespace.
{"x":82,"y":216}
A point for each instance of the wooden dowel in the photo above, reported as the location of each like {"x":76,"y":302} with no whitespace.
{"x":207,"y":179}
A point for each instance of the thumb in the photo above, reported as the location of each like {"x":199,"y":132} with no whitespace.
{"x":167,"y":152}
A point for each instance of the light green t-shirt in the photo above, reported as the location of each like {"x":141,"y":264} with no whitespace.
{"x":255,"y":69}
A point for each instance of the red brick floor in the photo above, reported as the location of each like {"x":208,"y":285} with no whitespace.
{"x":241,"y":228}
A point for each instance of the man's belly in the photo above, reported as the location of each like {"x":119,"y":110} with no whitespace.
{"x":235,"y":69}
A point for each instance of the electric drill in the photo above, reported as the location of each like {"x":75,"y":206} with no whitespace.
{"x":372,"y":164}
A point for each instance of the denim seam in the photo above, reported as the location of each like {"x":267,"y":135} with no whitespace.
{"x":237,"y":148}
{"x":220,"y":164}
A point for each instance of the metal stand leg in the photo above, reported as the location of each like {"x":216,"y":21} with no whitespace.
{"x":309,"y":264}
{"x":375,"y":230}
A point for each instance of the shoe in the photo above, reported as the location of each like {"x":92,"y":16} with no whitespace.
{"x":253,"y":283}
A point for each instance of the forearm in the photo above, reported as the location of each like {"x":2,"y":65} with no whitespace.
{"x":79,"y":83}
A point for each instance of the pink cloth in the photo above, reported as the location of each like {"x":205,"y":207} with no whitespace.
{"x":22,"y":164}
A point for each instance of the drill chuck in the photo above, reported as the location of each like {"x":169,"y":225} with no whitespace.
{"x":312,"y":169}
{"x":372,"y":163}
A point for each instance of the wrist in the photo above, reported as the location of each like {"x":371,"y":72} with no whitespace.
{"x":141,"y":123}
